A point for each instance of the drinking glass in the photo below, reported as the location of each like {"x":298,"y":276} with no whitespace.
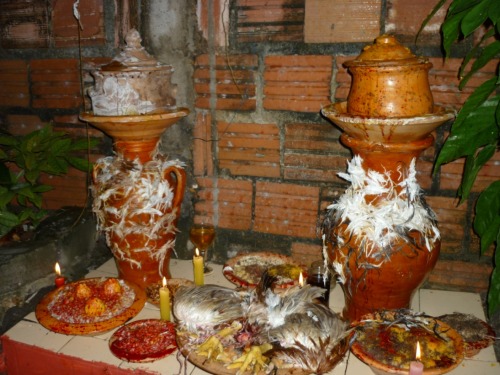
{"x":319,"y":275}
{"x":202,"y":236}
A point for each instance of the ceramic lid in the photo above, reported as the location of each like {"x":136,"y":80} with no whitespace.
{"x":385,"y":51}
{"x":134,"y":57}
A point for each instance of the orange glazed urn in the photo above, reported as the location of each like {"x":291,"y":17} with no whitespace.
{"x":380,"y":236}
{"x":389,"y":81}
{"x":137,"y":193}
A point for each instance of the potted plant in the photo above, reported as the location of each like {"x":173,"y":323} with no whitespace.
{"x":475,"y":134}
{"x":23,"y":159}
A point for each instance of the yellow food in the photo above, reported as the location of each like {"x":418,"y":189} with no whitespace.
{"x":95,"y":307}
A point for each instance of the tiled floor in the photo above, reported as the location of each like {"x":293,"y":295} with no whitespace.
{"x":45,"y":352}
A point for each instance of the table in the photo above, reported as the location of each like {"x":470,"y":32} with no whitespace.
{"x":29,"y":348}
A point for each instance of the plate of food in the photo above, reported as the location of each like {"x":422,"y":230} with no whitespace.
{"x":222,"y":365}
{"x":386,"y":341}
{"x":145,"y":340}
{"x":477,"y":334}
{"x":90,"y":306}
{"x":246,"y":270}
{"x":153,"y":290}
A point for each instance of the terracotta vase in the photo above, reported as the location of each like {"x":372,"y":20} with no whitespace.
{"x":138,"y":195}
{"x":380,"y":236}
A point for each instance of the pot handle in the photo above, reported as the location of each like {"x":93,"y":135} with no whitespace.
{"x":180,"y":183}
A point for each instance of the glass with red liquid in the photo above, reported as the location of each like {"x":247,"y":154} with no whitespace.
{"x":319,"y":275}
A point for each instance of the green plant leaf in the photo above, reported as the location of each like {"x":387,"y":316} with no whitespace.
{"x":462,"y":5}
{"x":55,"y":165}
{"x":475,"y":17}
{"x":475,"y":131}
{"x":6,"y":196}
{"x":487,"y":54}
{"x":8,"y":140}
{"x":60,"y":146}
{"x":473,"y":165}
{"x":42,"y":189}
{"x":451,"y":30}
{"x":476,"y":99}
{"x":494,"y":12}
{"x":79,"y":163}
{"x":8,"y":220}
{"x":494,"y":289}
{"x":84,"y":144}
{"x":487,"y":220}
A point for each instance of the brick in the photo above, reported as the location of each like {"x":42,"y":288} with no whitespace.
{"x":226,"y":202}
{"x":70,"y":189}
{"x":451,"y":174}
{"x":56,"y":83}
{"x":297,"y":83}
{"x":269,"y":21}
{"x":249,"y":149}
{"x":65,"y":27}
{"x":305,"y":253}
{"x":452,"y":220}
{"x":71,"y":124}
{"x":24,"y":24}
{"x":23,"y":124}
{"x":14,"y":82}
{"x":342,"y":78}
{"x":342,"y":21}
{"x":313,"y":152}
{"x":404,"y":18}
{"x":459,"y":275}
{"x":202,"y":145}
{"x":234,"y":82}
{"x":286,"y":209}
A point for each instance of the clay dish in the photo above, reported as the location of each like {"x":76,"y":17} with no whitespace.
{"x":387,"y":130}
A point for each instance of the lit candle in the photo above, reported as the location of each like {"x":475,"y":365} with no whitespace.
{"x":164,"y":301}
{"x":301,"y":280}
{"x":60,"y":280}
{"x":417,"y":367}
{"x":198,"y":266}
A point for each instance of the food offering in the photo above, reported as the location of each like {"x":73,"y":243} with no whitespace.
{"x":386,"y":341}
{"x":144,"y":340}
{"x":90,"y":306}
{"x":228,"y":331}
{"x":246,"y":270}
{"x":173,"y":285}
{"x":477,"y":334}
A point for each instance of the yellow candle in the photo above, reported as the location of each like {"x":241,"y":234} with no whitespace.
{"x":198,"y":266}
{"x":164,"y":301}
{"x":301,"y":280}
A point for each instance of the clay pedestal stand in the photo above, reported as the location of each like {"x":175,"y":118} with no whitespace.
{"x":137,"y":196}
{"x":381,"y":237}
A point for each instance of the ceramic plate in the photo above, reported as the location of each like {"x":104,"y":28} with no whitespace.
{"x":246,"y":270}
{"x":386,"y":341}
{"x":84,"y":307}
{"x":144,"y":340}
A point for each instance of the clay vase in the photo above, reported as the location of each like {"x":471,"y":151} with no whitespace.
{"x":138,"y":195}
{"x":380,"y":236}
{"x":377,"y":276}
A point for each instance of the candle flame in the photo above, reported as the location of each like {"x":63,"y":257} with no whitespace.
{"x":164,"y":281}
{"x":197,"y":252}
{"x":58,"y":269}
{"x":301,"y":280}
{"x":417,"y":352}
